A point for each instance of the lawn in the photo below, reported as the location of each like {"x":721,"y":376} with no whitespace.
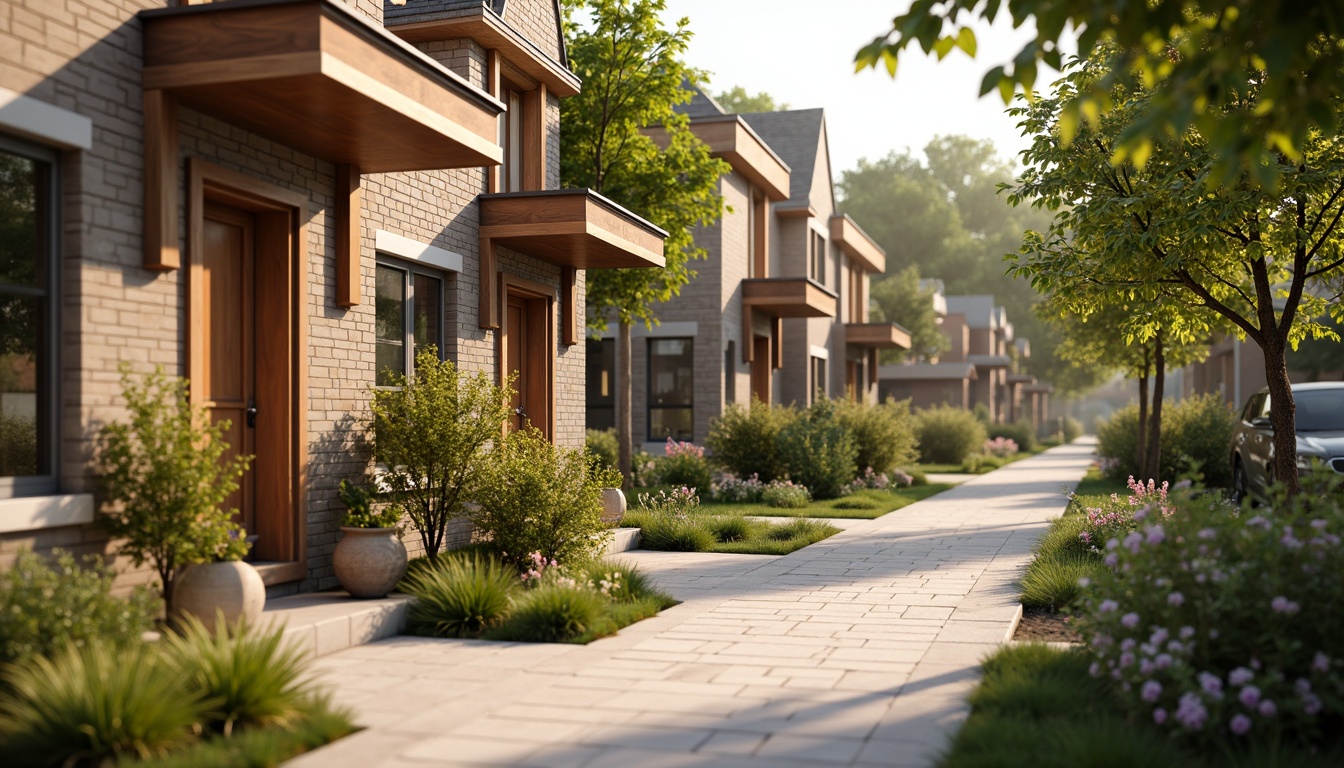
{"x":862,"y":505}
{"x":975,"y":465}
{"x":1094,"y":484}
{"x":733,"y":533}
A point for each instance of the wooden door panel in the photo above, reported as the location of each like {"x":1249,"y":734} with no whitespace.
{"x":515,"y":361}
{"x":525,"y":339}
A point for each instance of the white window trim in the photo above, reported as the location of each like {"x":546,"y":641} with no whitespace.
{"x":416,"y":251}
{"x":32,"y":513}
{"x":822,"y":352}
{"x":42,"y":122}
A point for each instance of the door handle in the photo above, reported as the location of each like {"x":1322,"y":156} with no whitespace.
{"x":251,"y":412}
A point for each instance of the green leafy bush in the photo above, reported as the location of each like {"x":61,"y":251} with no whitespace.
{"x":552,"y":613}
{"x":94,"y":703}
{"x":672,"y":534}
{"x":1222,"y":627}
{"x":459,"y":597}
{"x":360,"y":511}
{"x":321,"y":724}
{"x":684,"y":465}
{"x":1020,"y":432}
{"x":18,"y":445}
{"x":819,"y":451}
{"x":947,"y":435}
{"x":884,"y":434}
{"x":744,"y":440}
{"x":979,"y":463}
{"x":47,"y":606}
{"x":535,"y":496}
{"x":1196,"y":433}
{"x":729,"y":528}
{"x":166,"y":477}
{"x":247,"y":675}
{"x":785,"y":494}
{"x":603,"y":446}
{"x":1073,"y":429}
{"x":431,"y":430}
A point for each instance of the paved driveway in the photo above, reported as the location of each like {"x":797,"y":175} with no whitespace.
{"x":858,"y":650}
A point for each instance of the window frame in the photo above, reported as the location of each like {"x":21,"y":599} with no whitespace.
{"x":47,"y":161}
{"x":818,"y":374}
{"x":650,"y":406}
{"x":816,"y":268}
{"x":410,"y":269}
{"x":597,"y":350}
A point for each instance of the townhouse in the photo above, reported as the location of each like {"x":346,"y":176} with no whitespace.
{"x":282,"y":200}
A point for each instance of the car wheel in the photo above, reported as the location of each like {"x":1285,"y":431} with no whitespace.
{"x":1239,"y":492}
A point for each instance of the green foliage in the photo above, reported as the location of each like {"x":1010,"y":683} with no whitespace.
{"x":552,"y":613}
{"x":1207,"y":56}
{"x":980,"y":463}
{"x":601,"y":443}
{"x":18,"y":445}
{"x":745,"y":440}
{"x":1073,"y":429}
{"x":627,"y":582}
{"x":430,"y":430}
{"x":785,"y":495}
{"x":819,"y":451}
{"x":92,"y":703}
{"x":1020,"y":432}
{"x":730,"y":528}
{"x":884,"y":434}
{"x":166,"y":478}
{"x":459,"y":597}
{"x":947,"y":435}
{"x":736,"y":100}
{"x":1035,"y":681}
{"x":901,"y":298}
{"x":360,"y":511}
{"x":684,"y":469}
{"x":1196,"y":433}
{"x":1051,"y":581}
{"x":672,"y":534}
{"x":781,"y":539}
{"x":534,"y":496}
{"x":259,"y":747}
{"x":1118,"y":444}
{"x":46,"y":606}
{"x":247,"y":675}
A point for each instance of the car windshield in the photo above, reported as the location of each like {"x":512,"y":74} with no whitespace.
{"x":1320,"y":410}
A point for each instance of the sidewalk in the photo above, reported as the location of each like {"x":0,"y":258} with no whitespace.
{"x":857,"y":650}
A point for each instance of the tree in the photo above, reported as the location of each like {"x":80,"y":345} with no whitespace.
{"x":1166,"y":232}
{"x":738,"y":101}
{"x":1209,"y":55}
{"x":901,"y":299}
{"x":632,"y":72}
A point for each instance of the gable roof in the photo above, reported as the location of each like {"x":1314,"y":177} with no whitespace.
{"x":796,"y":136}
{"x":427,"y":10}
{"x":979,"y":310}
{"x":701,"y":103}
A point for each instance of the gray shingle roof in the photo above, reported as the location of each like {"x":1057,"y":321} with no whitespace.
{"x":701,"y":103}
{"x":795,"y":136}
{"x":979,"y":310}
{"x":926,"y":372}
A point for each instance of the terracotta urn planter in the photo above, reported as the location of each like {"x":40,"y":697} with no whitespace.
{"x":232,"y":589}
{"x":613,"y":506}
{"x":369,"y":561}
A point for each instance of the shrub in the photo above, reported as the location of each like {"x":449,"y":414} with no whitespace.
{"x":603,"y":446}
{"x":93,"y":703}
{"x":683,"y":465}
{"x":45,"y":607}
{"x":734,"y":490}
{"x":552,"y":613}
{"x":167,"y":478}
{"x":870,"y":480}
{"x":744,"y":440}
{"x":247,"y":676}
{"x":1223,"y":628}
{"x":981,"y":413}
{"x":459,"y":597}
{"x":730,"y":528}
{"x":430,"y":430}
{"x":884,"y":434}
{"x":785,"y":494}
{"x":1118,"y":443}
{"x":360,"y":511}
{"x":1019,"y":432}
{"x":1073,"y":429}
{"x":625,"y":581}
{"x":978,"y":463}
{"x":672,"y":534}
{"x":1201,"y":430}
{"x":677,"y":503}
{"x":947,"y":435}
{"x":819,"y":451}
{"x":538,"y":497}
{"x":1052,"y":581}
{"x":1002,"y":447}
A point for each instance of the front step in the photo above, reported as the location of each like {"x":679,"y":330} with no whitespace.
{"x":326,"y":622}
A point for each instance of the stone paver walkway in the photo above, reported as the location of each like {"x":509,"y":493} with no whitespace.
{"x":858,"y":650}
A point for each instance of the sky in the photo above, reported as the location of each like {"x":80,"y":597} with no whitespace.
{"x":801,"y":52}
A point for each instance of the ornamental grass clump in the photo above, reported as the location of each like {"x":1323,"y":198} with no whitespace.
{"x":459,"y":597}
{"x":553,"y":613}
{"x":1222,"y":627}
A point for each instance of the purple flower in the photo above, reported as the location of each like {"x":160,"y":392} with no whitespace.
{"x":1141,"y":514}
{"x":1191,"y":712}
{"x":1303,"y":685}
{"x":1129,"y":620}
{"x":1107,"y":606}
{"x":1094,"y":670}
{"x":1311,"y":704}
{"x":1267,"y":708}
{"x":1126,"y":659}
{"x":1249,"y":696}
{"x":1321,"y":663}
{"x":1146,"y":667}
{"x":1182,"y":485}
{"x":1159,"y":636}
{"x":1187,"y":633}
{"x":1207,"y":533}
{"x":1133,"y":541}
{"x":1282,"y":604}
{"x":1240,"y":676}
{"x":1159,"y":715}
{"x":1175,"y":599}
{"x":1111,"y":559}
{"x":1112,"y":543}
{"x":1163,"y":660}
{"x":1128,"y":644}
{"x":1211,"y":684}
{"x":1151,"y":691}
{"x":1240,"y":724}
{"x":1155,"y":534}
{"x":1318,"y":524}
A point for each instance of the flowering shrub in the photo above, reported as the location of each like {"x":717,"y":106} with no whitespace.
{"x":871,"y":479}
{"x":786,"y":494}
{"x":734,"y":490}
{"x":1224,"y":628}
{"x":540,"y":570}
{"x":1003,"y":447}
{"x":683,"y":464}
{"x":901,"y":478}
{"x":677,"y":503}
{"x":676,"y":450}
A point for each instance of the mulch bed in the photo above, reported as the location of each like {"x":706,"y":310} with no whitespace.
{"x":1041,"y":625}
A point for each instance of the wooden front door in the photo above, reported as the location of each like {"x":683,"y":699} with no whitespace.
{"x":228,"y":388}
{"x":760,"y":368}
{"x":526,"y":341}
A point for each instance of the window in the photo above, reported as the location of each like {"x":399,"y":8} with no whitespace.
{"x":601,"y":383}
{"x":408,"y":310}
{"x":28,"y":397}
{"x":511,"y":139}
{"x":730,"y":373}
{"x":817,"y":257}
{"x":671,"y":383}
{"x":818,"y":377}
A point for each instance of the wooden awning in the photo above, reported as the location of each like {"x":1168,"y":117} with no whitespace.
{"x":316,"y":76}
{"x":857,"y":244}
{"x":729,"y":137}
{"x":788,"y":297}
{"x":877,"y":335}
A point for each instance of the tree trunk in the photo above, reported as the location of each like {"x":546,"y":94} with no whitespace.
{"x":1282,"y":414}
{"x":624,"y":396}
{"x":1141,"y":445}
{"x":1154,"y":452}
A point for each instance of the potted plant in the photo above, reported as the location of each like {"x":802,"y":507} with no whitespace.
{"x":166,"y":478}
{"x":370,"y":559}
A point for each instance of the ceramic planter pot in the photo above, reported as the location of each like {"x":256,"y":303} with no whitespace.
{"x":369,"y":561}
{"x":232,"y":589}
{"x":613,"y":506}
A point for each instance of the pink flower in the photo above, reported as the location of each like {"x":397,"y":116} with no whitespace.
{"x":1240,"y":724}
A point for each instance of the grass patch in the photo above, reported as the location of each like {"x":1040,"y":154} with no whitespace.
{"x":1094,"y":484}
{"x":730,"y":534}
{"x":1051,"y":581}
{"x":257,"y":747}
{"x":861,"y":505}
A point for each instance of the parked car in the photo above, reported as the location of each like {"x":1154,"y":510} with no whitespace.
{"x":1320,"y":437}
